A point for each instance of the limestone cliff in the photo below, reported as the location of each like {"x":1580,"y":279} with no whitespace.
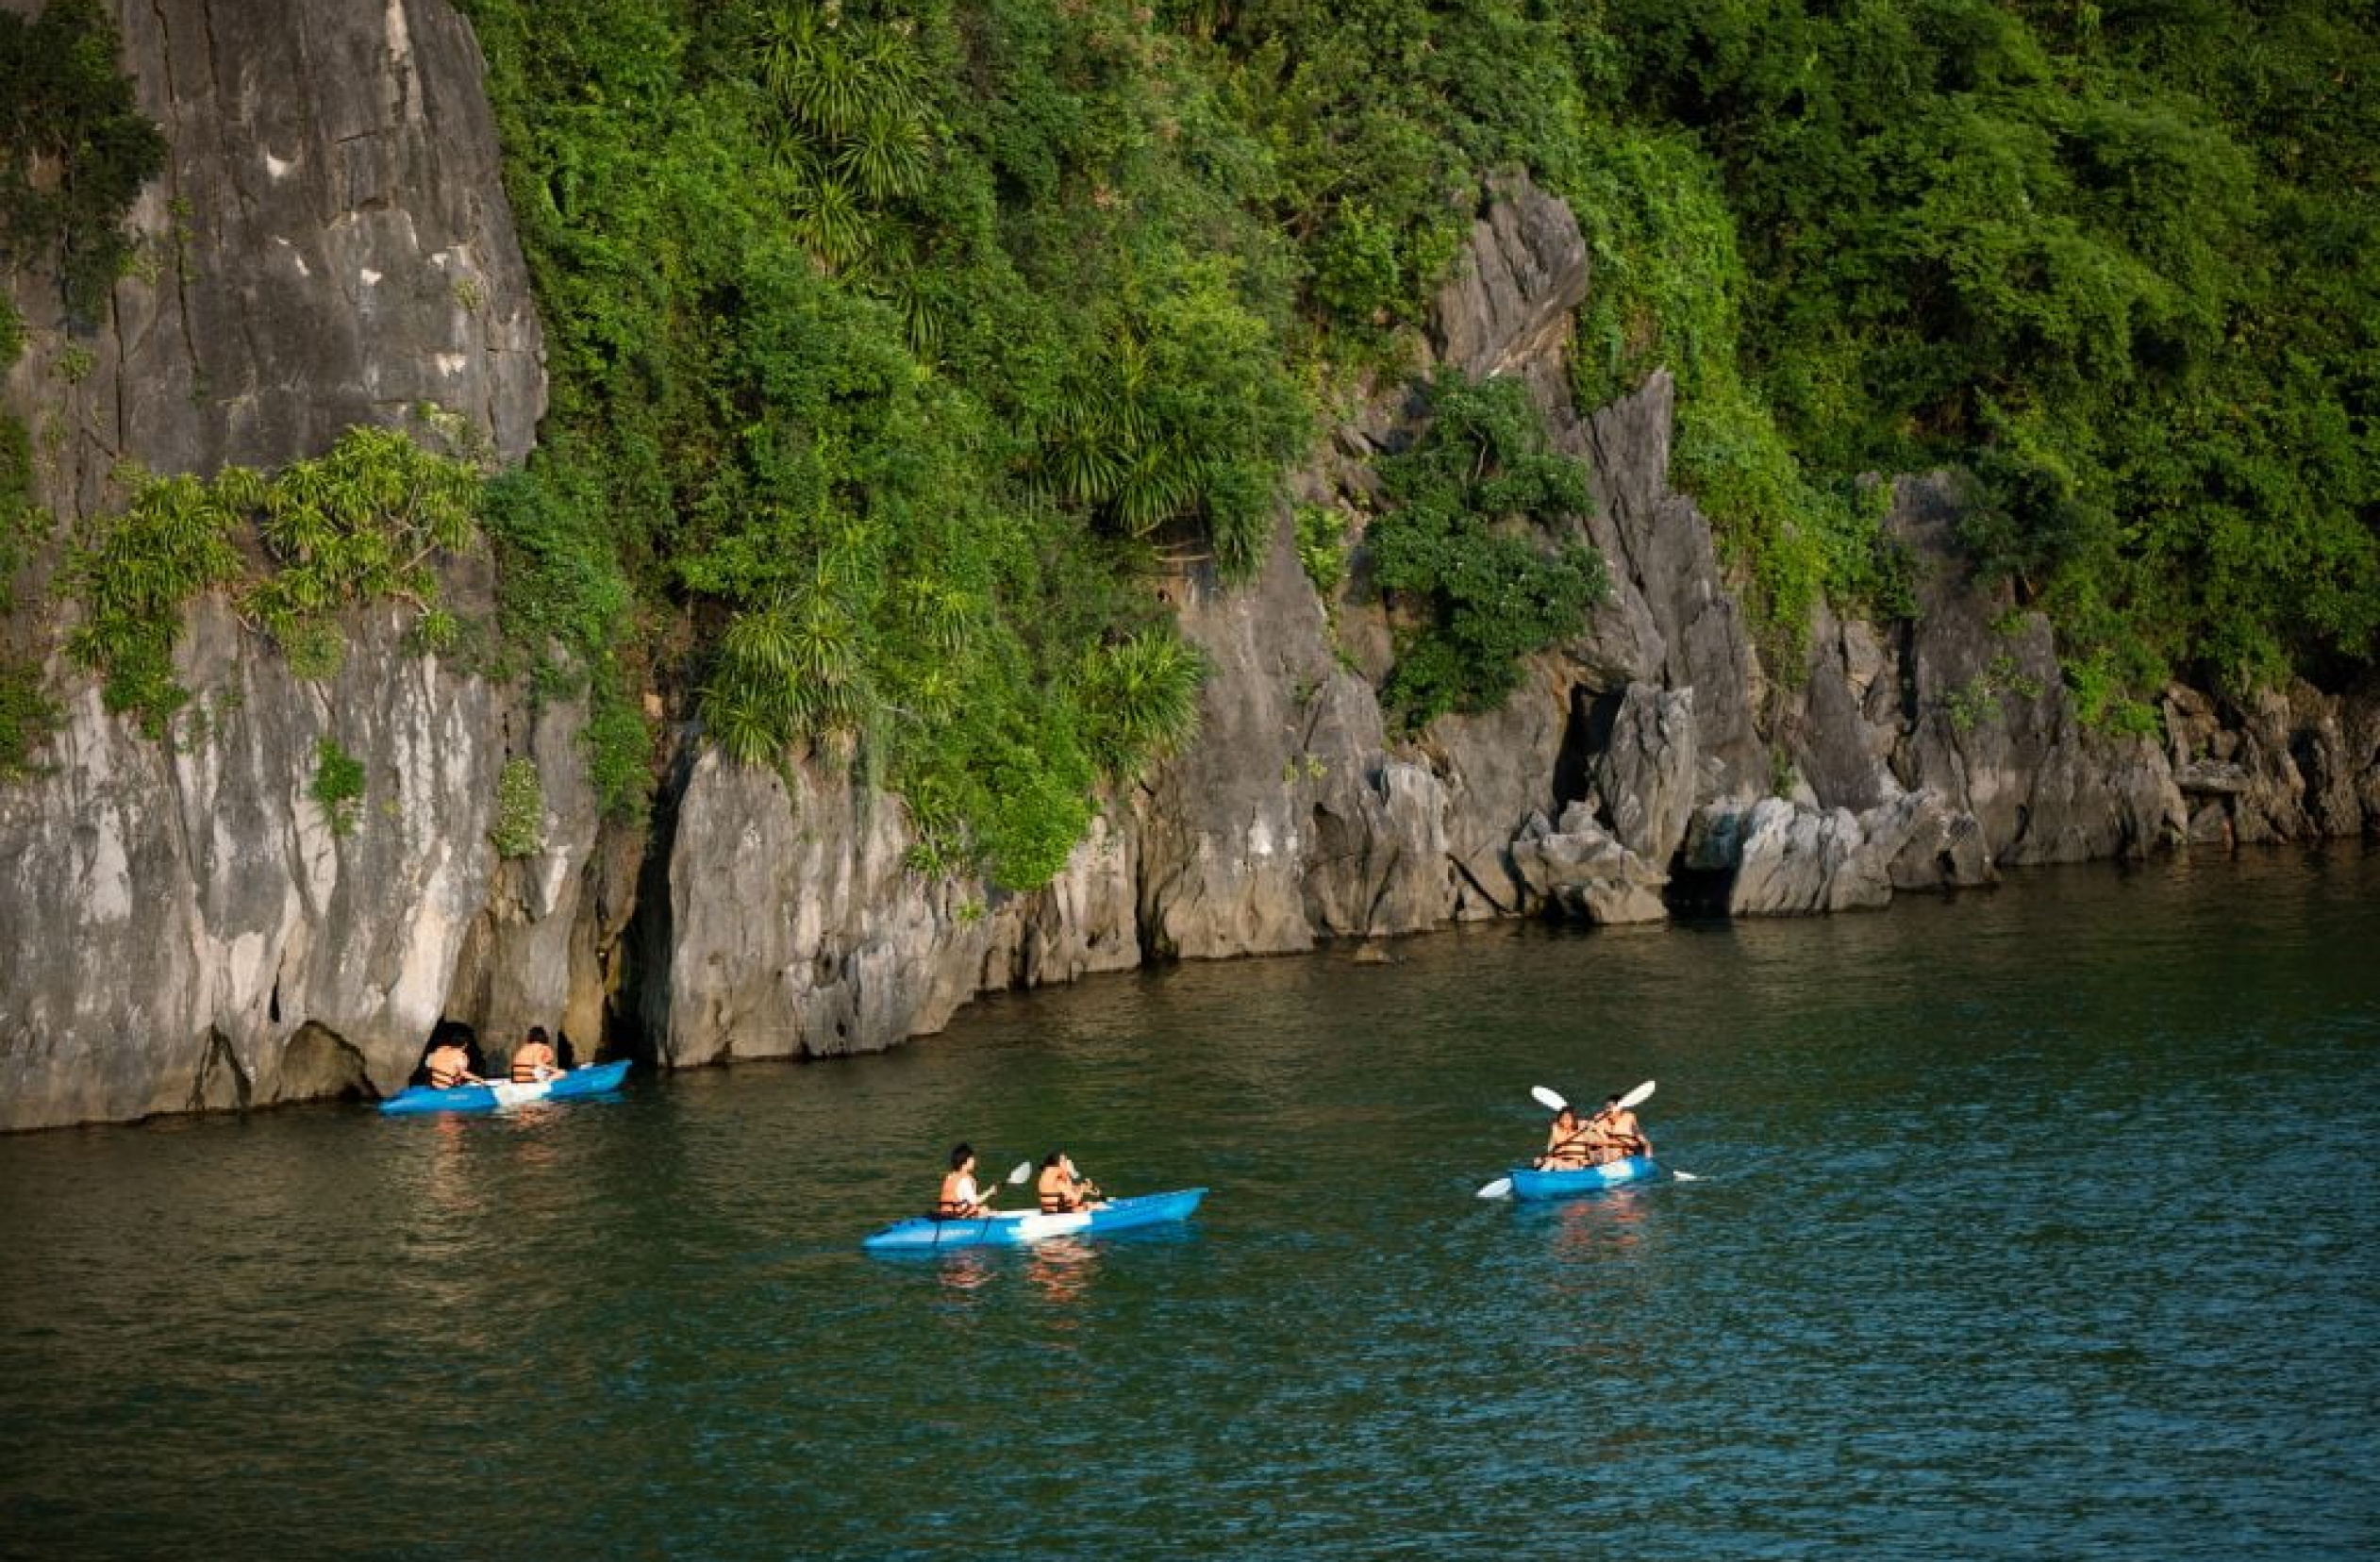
{"x":182,"y":928}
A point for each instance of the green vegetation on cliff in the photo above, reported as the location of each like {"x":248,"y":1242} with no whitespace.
{"x":893,"y":342}
{"x":357,"y":524}
{"x":73,"y":150}
{"x":890,"y":351}
{"x":2116,"y":261}
{"x":1458,"y":543}
{"x":897,"y":348}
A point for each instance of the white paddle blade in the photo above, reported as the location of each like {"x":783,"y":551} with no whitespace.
{"x":1685,"y":1176}
{"x":1024,"y":1170}
{"x":1637,"y":1096}
{"x":1497,"y":1189}
{"x":1547,"y":1099}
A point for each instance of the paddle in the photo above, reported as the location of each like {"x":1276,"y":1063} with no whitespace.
{"x":1016,"y":1178}
{"x":1552,"y":1101}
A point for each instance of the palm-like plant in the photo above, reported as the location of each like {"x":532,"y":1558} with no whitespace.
{"x":859,"y":131}
{"x":1140,"y":699}
{"x":831,"y":222}
{"x":888,"y":156}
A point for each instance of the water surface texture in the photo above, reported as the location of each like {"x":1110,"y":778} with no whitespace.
{"x":2037,"y":1222}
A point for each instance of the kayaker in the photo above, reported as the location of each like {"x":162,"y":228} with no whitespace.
{"x":1620,"y":1130}
{"x":449,"y":1066}
{"x":959,"y":1200}
{"x":535,"y":1060}
{"x":1568,"y":1144}
{"x":1062,"y":1188}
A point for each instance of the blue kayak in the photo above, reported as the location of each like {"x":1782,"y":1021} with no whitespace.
{"x":1529,"y":1183}
{"x":594,"y":1079}
{"x":1022,"y":1227}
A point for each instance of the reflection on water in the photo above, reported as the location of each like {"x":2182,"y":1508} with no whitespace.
{"x":1597,"y":1227}
{"x":1061,"y":1270}
{"x":2084,"y":1269}
{"x":963,"y":1271}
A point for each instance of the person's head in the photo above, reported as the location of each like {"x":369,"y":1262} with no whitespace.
{"x":1611,"y":1105}
{"x":962,"y":1155}
{"x":1565,"y":1118}
{"x":536,"y":1035}
{"x":1056,"y":1157}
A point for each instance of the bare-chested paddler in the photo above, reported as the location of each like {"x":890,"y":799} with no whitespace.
{"x":535,"y":1060}
{"x":1620,"y":1130}
{"x":449,"y":1066}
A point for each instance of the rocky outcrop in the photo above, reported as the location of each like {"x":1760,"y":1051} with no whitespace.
{"x":180,"y":924}
{"x":196,"y":899}
{"x":794,"y":925}
{"x":1579,"y":868}
{"x":1990,"y":723}
{"x":1781,"y":858}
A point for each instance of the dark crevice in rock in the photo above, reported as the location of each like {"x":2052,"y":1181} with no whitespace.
{"x":1693,"y":893}
{"x":1504,"y":905}
{"x":222,"y":1083}
{"x":640,"y":1017}
{"x":1586,"y":739}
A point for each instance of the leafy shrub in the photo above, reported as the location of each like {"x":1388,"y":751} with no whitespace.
{"x":1464,"y":543}
{"x":359,"y":524}
{"x":520,"y":827}
{"x":1322,"y":548}
{"x":337,"y":787}
{"x":133,"y":573}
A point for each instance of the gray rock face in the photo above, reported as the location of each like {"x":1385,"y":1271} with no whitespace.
{"x":1993,"y":729}
{"x":1668,"y":582}
{"x":330,"y":246}
{"x":2286,"y":765}
{"x":1792,"y":861}
{"x":196,"y":898}
{"x":1500,"y":773}
{"x":1507,"y":307}
{"x":796,"y":927}
{"x":1645,"y":774}
{"x":1221,"y":831}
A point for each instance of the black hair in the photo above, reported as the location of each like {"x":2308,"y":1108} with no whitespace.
{"x":960,"y":1154}
{"x":536,"y":1033}
{"x":1612,"y":1101}
{"x":1052,"y":1158}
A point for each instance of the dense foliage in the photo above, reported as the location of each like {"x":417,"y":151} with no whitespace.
{"x":2116,"y":261}
{"x":1464,"y":545}
{"x":894,"y":345}
{"x":887,"y":345}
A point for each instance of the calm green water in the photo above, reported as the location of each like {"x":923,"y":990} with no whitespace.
{"x":2034,"y":1223}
